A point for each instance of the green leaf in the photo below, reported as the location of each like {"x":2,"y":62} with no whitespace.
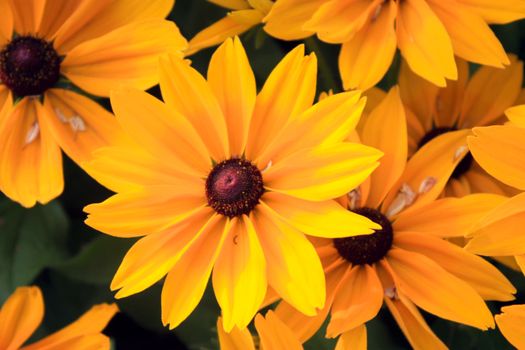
{"x":30,"y":240}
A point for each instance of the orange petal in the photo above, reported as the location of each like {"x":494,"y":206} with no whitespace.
{"x":358,"y":300}
{"x":30,"y":159}
{"x":20,"y":316}
{"x":6,"y":25}
{"x":92,"y":341}
{"x":186,"y":281}
{"x":511,"y":323}
{"x":378,"y":132}
{"x":449,"y":100}
{"x":354,"y":339}
{"x":274,"y":334}
{"x":232,"y":81}
{"x":85,"y":330}
{"x":365,"y":58}
{"x":424,"y":42}
{"x":503,"y":11}
{"x":437,"y":291}
{"x":27,"y":15}
{"x":287,"y":18}
{"x":126,"y":56}
{"x":236,"y":339}
{"x":187,"y":92}
{"x":479,"y":273}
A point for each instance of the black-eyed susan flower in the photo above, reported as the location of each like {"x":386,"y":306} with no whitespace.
{"x":511,"y":323}
{"x":466,"y":103}
{"x":272,"y":332}
{"x":407,"y":264}
{"x":23,"y":312}
{"x":228,"y":180}
{"x":427,"y":32}
{"x":94,"y":45}
{"x":243,"y":15}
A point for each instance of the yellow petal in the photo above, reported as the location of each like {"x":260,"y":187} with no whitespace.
{"x":322,"y":173}
{"x":227,"y":27}
{"x":6,"y":25}
{"x":27,"y":15}
{"x":143,"y":211}
{"x":79,"y":124}
{"x":413,"y":325}
{"x":288,"y":91}
{"x":153,"y":256}
{"x":92,"y":323}
{"x":287,"y":18}
{"x":126,"y":56}
{"x":449,"y":100}
{"x":232,"y":4}
{"x":186,"y":282}
{"x":293,"y":267}
{"x":274,"y":334}
{"x":448,"y":217}
{"x":20,"y":316}
{"x":503,"y":11}
{"x":479,"y":273}
{"x":354,"y":339}
{"x":516,"y":114}
{"x":95,"y":18}
{"x":232,"y":81}
{"x":490,"y":144}
{"x":472,"y":38}
{"x":162,"y":131}
{"x":483,"y":105}
{"x":511,"y":323}
{"x":239,"y":275}
{"x":365,"y":58}
{"x":358,"y":300}
{"x":321,"y":219}
{"x":237,"y":339}
{"x":437,"y":291}
{"x":186,"y":91}
{"x":385,"y":129}
{"x":424,"y":42}
{"x":55,"y":14}
{"x":30,"y":159}
{"x":500,"y":231}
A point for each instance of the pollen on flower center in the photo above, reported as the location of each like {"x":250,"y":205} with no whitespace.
{"x":367,"y":249}
{"x":234,"y":187}
{"x":29,"y":66}
{"x":465,"y":163}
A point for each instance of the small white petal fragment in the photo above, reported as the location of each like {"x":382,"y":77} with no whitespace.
{"x":391,"y":293}
{"x":32,"y":133}
{"x":427,"y":184}
{"x":60,"y":115}
{"x":404,"y":198}
{"x":77,"y":123}
{"x":268,"y":166}
{"x":460,"y":152}
{"x":354,"y":198}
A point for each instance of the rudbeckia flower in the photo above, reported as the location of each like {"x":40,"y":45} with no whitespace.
{"x":466,"y":103}
{"x":511,"y":323}
{"x":23,"y":312}
{"x":244,"y":15}
{"x":273,"y":334}
{"x":427,"y":32}
{"x":408,"y":263}
{"x":45,"y":45}
{"x":228,"y":180}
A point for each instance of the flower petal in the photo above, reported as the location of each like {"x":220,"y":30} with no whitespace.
{"x":236,"y":339}
{"x":322,"y":219}
{"x":274,"y":334}
{"x":437,"y":291}
{"x":239,"y":275}
{"x":354,"y":339}
{"x":20,"y":316}
{"x":126,"y":56}
{"x":287,"y":18}
{"x":511,"y":323}
{"x":6,"y":25}
{"x":503,"y":11}
{"x":27,"y":15}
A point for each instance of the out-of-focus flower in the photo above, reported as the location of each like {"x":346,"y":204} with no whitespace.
{"x":408,"y":263}
{"x":23,"y":312}
{"x":273,"y":334}
{"x":427,"y":32}
{"x":463,"y":104}
{"x":244,"y":15}
{"x":96,"y":45}
{"x":229,"y":180}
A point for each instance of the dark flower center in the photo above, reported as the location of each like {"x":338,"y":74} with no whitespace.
{"x":234,"y":187}
{"x":367,"y":249}
{"x":465,"y":163}
{"x":29,"y":66}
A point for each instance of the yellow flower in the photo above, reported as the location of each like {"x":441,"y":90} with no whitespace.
{"x":97,"y":46}
{"x":427,"y":32}
{"x":229,"y":180}
{"x":273,"y":334}
{"x":244,"y":15}
{"x":463,"y":104}
{"x":511,"y":323}
{"x":408,"y":263}
{"x":23,"y":312}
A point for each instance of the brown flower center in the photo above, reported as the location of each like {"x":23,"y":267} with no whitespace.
{"x":29,"y":66}
{"x":234,"y":187}
{"x":367,"y":249}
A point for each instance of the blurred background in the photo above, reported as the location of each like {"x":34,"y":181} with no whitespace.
{"x":50,"y":246}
